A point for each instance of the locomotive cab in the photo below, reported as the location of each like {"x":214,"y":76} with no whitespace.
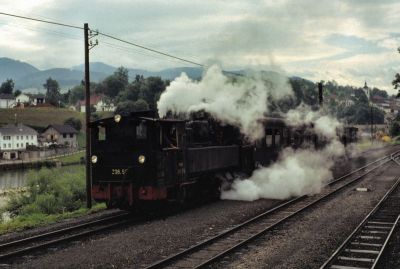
{"x":129,"y":156}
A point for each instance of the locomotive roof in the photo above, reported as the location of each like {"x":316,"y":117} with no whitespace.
{"x":111,"y":119}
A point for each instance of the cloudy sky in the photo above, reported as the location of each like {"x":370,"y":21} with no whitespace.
{"x":349,"y":41}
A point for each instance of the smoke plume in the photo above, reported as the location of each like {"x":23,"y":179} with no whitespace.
{"x":241,"y":103}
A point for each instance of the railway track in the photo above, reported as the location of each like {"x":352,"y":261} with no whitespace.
{"x":366,"y":244}
{"x":213,"y":249}
{"x":42,"y":241}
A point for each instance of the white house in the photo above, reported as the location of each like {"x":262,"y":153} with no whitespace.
{"x":30,"y":99}
{"x":7,"y":100}
{"x":22,"y":98}
{"x":100,"y":103}
{"x":14,"y":138}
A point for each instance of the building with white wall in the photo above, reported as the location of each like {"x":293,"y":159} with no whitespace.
{"x":7,"y":100}
{"x":65,"y":135}
{"x":22,"y":98}
{"x":15,"y":138}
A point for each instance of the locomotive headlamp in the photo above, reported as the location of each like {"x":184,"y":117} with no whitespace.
{"x":94,"y":159}
{"x":117,"y":118}
{"x":141,"y":159}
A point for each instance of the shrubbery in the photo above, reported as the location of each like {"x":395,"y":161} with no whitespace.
{"x":50,"y":191}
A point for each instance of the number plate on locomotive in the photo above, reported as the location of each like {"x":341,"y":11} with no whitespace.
{"x":119,"y":171}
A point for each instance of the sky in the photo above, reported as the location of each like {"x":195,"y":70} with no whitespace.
{"x":349,"y":41}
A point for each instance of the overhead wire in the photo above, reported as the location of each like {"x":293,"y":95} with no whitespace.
{"x":40,"y":20}
{"x":114,"y":38}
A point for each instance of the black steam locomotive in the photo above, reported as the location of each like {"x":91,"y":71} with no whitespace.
{"x":142,"y":159}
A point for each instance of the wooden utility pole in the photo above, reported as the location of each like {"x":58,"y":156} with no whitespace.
{"x":87,"y":112}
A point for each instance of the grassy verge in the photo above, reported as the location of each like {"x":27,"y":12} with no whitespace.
{"x":366,"y":144}
{"x":74,"y":158}
{"x":24,"y":222}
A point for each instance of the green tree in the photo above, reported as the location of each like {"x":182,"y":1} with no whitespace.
{"x":361,"y":114}
{"x":53,"y":95}
{"x":126,"y":107}
{"x":396,"y":81}
{"x":74,"y":122}
{"x":394,"y":129}
{"x":377,"y":92}
{"x":7,"y":87}
{"x":115,"y":83}
{"x":77,"y":93}
{"x":17,"y":92}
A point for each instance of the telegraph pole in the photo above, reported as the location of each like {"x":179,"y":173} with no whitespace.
{"x":88,"y":45}
{"x":87,"y":112}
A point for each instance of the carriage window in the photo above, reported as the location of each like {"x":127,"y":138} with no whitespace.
{"x":277,"y":138}
{"x":286,"y":140}
{"x":141,"y":131}
{"x":268,"y":137}
{"x":101,"y":135}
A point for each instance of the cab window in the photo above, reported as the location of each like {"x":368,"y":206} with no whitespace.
{"x":268,"y":138}
{"x":141,"y":131}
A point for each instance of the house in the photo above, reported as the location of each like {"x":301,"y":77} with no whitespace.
{"x":22,"y":98}
{"x":37,"y":99}
{"x":14,"y":138}
{"x":30,"y":99}
{"x":100,"y":103}
{"x":61,"y":135}
{"x":7,"y":100}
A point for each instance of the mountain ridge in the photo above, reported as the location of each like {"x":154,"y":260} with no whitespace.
{"x":28,"y":77}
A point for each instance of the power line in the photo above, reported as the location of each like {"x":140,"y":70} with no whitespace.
{"x":44,"y":21}
{"x":103,"y":34}
{"x":150,"y":49}
{"x":115,"y":38}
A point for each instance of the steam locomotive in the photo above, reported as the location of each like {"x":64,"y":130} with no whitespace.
{"x":141,"y":159}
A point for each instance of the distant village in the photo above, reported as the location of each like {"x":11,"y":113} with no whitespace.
{"x":19,"y":141}
{"x":22,"y":100}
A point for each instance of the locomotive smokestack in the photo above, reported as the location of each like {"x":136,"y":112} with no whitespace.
{"x":320,"y":96}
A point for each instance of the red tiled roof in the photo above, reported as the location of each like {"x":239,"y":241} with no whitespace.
{"x":94,"y":99}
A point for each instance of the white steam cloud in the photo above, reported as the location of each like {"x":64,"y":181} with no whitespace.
{"x":296,"y":172}
{"x":241,"y":103}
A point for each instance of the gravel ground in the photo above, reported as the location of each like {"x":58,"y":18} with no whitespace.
{"x":391,"y":257}
{"x":145,"y":243}
{"x":140,"y":244}
{"x":310,"y":238}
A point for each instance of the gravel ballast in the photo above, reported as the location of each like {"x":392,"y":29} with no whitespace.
{"x":144,"y":243}
{"x":309,"y":239}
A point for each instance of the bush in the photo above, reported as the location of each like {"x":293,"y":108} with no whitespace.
{"x":50,"y":191}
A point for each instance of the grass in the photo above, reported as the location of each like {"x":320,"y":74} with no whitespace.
{"x":23,"y":222}
{"x":81,"y":138}
{"x":42,"y":117}
{"x":39,"y":117}
{"x":74,"y":158}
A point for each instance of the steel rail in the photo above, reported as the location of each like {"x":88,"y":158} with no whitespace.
{"x":63,"y":233}
{"x":386,"y":242}
{"x":348,"y":240}
{"x":175,"y":257}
